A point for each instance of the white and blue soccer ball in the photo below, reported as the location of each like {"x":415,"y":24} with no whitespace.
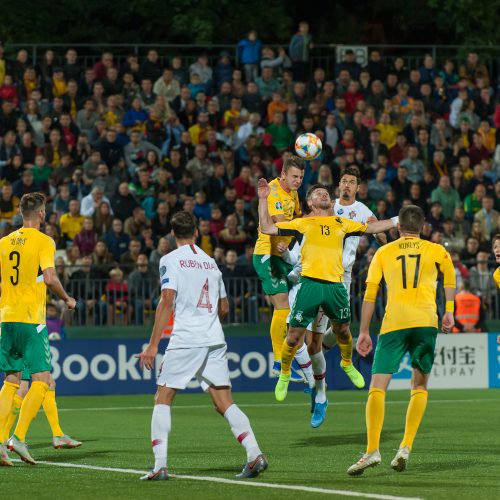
{"x":308,"y":146}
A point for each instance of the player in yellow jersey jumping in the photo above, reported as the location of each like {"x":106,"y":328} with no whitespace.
{"x":26,"y":269}
{"x":496,"y":253}
{"x":283,"y":205}
{"x":321,"y":282}
{"x":410,"y":269}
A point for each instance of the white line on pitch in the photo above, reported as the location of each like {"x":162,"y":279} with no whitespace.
{"x":277,"y":405}
{"x":255,"y":484}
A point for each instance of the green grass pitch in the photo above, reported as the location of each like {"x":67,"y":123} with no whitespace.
{"x":456,"y":453}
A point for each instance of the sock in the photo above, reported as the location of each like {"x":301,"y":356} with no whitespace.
{"x":319,"y":369}
{"x":6,"y":399}
{"x":278,"y":331}
{"x":414,"y":414}
{"x":242,"y":431}
{"x":31,"y":404}
{"x":329,"y":339}
{"x":14,"y":413}
{"x":287,"y":354}
{"x":375,"y":408}
{"x":161,"y":423}
{"x":50,"y":409}
{"x":304,"y":361}
{"x":345,"y":347}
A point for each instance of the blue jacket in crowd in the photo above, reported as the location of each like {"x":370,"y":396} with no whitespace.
{"x":248,"y":51}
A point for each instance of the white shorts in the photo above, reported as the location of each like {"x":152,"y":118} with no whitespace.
{"x":319,"y":325}
{"x":207,"y":364}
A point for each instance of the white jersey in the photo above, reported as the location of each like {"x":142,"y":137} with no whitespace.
{"x":199,"y":286}
{"x":358,"y":212}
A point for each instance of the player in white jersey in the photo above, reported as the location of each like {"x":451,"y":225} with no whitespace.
{"x":346,"y":206}
{"x":192,"y":286}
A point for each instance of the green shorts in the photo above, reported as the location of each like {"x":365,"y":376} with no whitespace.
{"x":273,"y":272}
{"x":312,"y":295}
{"x":391,"y":347}
{"x":24,"y":347}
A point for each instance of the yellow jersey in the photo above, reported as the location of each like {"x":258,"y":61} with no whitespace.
{"x":323,"y":245}
{"x":71,"y":226}
{"x":410,"y":269}
{"x":24,"y":255}
{"x":496,"y":277}
{"x":279,"y":202}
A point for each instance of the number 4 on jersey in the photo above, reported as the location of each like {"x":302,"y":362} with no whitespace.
{"x":204,"y":300}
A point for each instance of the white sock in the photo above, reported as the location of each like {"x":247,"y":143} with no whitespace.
{"x":242,"y":431}
{"x":329,"y":339}
{"x":161,"y":424}
{"x":303,"y":359}
{"x":319,"y":370}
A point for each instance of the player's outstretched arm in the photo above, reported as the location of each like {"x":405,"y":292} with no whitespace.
{"x":380,"y":226}
{"x":163,"y":312}
{"x":266,"y":223}
{"x":54,"y":285}
{"x":380,"y":237}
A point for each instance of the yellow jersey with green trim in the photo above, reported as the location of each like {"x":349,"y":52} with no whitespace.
{"x":323,"y":244}
{"x":410,"y":268}
{"x":279,"y":202}
{"x":24,"y":255}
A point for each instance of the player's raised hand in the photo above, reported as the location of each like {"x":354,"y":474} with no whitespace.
{"x":448,"y":322}
{"x":364,"y":344}
{"x":263,"y":188}
{"x":147,"y":357}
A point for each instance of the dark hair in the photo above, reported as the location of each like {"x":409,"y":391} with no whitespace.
{"x":293,"y":161}
{"x":313,"y":188}
{"x":411,"y":219}
{"x":31,"y":203}
{"x":351,"y":170}
{"x":183,"y":224}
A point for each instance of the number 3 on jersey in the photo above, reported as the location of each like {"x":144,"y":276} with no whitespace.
{"x":204,"y":300}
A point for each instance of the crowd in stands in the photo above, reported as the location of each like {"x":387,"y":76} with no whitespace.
{"x":118,"y":149}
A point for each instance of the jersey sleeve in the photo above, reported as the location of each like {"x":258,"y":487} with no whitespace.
{"x":288,"y":228}
{"x":168,"y":276}
{"x":222,"y":289}
{"x":448,"y":270}
{"x":351,"y":226}
{"x":47,"y":253}
{"x":297,"y":210}
{"x":375,"y":271}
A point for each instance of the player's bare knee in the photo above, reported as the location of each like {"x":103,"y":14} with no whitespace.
{"x":41,"y":377}
{"x":23,"y":388}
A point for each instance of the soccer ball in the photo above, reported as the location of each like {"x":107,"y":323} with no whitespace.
{"x":308,"y":146}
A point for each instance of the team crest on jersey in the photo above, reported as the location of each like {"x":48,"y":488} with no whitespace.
{"x":341,"y":211}
{"x":278,"y":205}
{"x":298,"y":316}
{"x":352,"y":214}
{"x":163,"y":270}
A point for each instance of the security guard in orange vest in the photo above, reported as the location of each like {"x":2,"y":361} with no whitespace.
{"x":469,"y":313}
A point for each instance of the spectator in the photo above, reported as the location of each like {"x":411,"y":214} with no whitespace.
{"x":481,"y":280}
{"x":378,"y":188}
{"x":9,"y":204}
{"x":447,"y":196}
{"x":469,"y":312}
{"x":91,"y":202}
{"x":202,"y":69}
{"x":267,"y":84}
{"x":142,"y":283}
{"x":167,"y":86}
{"x":473,"y":202}
{"x":106,"y":183}
{"x":71,"y":223}
{"x":102,"y":259}
{"x":300,"y":45}
{"x":474,"y":69}
{"x":199,"y":130}
{"x":249,"y":55}
{"x":160,"y":223}
{"x":123,"y":202}
{"x":86,"y":239}
{"x":129,"y":258}
{"x":116,"y":240}
{"x":200,"y":167}
{"x":136,"y":222}
{"x":282,"y":136}
{"x":487,"y":216}
{"x":117,"y":297}
{"x":206,"y":239}
{"x":232,"y":236}
{"x":103,"y":219}
{"x":136,"y":150}
{"x":413,"y":165}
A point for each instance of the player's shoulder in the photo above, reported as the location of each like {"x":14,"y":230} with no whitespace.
{"x":43,"y":239}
